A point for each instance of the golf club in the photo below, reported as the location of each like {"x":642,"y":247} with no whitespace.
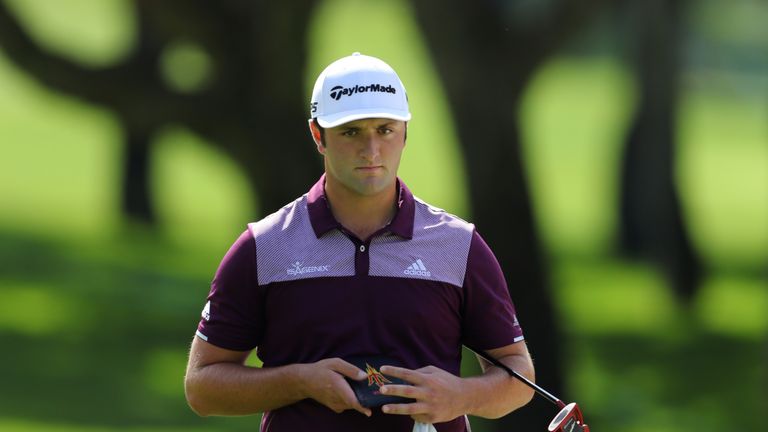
{"x":569,"y":419}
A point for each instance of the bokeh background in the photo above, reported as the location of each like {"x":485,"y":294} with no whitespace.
{"x":614,"y":154}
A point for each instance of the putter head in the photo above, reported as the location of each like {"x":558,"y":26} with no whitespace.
{"x":569,"y":419}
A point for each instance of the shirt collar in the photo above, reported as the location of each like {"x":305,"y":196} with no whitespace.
{"x":322,"y":220}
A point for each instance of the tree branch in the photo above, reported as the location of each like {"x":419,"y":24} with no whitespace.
{"x":49,"y":69}
{"x":128,"y":88}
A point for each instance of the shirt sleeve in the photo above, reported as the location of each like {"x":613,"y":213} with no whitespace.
{"x":489,"y":319}
{"x":233,"y":317}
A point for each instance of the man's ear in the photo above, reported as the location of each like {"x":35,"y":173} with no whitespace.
{"x":315,"y":132}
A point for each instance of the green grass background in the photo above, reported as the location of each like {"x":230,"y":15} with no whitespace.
{"x":96,"y":315}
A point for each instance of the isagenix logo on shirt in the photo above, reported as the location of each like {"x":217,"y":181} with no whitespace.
{"x":298,"y":269}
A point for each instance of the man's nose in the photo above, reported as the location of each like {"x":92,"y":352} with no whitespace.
{"x":371,"y":147}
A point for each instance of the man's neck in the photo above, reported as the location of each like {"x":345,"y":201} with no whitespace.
{"x":362,"y":215}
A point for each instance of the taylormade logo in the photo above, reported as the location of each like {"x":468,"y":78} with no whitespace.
{"x":339,"y":91}
{"x":299,"y":270}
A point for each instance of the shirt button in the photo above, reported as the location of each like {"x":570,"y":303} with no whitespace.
{"x":362,"y":248}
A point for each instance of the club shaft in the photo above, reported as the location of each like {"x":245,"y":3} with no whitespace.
{"x":547,"y":395}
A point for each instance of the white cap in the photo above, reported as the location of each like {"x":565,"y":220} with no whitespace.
{"x":358,"y":87}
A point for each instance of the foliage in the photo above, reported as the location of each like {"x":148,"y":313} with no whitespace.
{"x":96,"y":317}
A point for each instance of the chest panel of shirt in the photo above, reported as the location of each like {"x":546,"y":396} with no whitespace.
{"x":438,"y":250}
{"x":287,"y":249}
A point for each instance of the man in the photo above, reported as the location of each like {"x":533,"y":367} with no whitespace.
{"x":357,"y":268}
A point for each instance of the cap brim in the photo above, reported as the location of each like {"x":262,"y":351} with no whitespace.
{"x":348,"y":116}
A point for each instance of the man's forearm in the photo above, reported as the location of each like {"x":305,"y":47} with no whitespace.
{"x":235,"y":389}
{"x":494,"y":393}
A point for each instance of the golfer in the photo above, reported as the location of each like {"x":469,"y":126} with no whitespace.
{"x":355,"y":271}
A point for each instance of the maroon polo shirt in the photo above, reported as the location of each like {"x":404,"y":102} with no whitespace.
{"x":299,"y":287}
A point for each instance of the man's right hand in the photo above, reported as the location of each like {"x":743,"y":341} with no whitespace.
{"x":324,"y":382}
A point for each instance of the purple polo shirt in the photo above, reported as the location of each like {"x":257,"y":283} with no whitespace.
{"x":300,"y":288}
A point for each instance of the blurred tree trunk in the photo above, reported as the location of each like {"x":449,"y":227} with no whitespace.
{"x":652,"y":224}
{"x":486,"y":55}
{"x":250,"y":107}
{"x":138,"y":128}
{"x":136,"y":183}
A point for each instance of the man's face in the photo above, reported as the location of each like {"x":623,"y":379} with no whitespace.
{"x":363,"y":156}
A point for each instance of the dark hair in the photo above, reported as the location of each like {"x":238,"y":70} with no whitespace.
{"x":322,"y":131}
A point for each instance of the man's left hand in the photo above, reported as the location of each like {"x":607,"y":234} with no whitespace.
{"x":438,"y":394}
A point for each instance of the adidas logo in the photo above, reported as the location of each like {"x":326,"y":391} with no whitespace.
{"x":417,"y":269}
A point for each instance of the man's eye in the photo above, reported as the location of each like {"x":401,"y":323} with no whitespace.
{"x":349,"y":132}
{"x":385,"y":131}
